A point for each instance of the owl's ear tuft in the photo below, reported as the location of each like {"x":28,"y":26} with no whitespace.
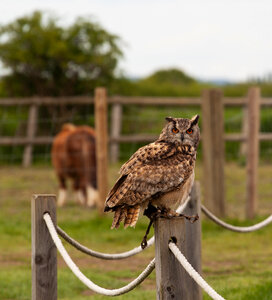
{"x":194,"y":119}
{"x":169,"y":119}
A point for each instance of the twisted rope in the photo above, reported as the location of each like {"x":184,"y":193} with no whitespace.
{"x":150,"y":242}
{"x":193,"y":273}
{"x":97,"y":254}
{"x":82,"y":277}
{"x":110,"y":256}
{"x":236,"y":228}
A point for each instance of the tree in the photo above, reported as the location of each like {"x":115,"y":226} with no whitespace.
{"x":167,"y":82}
{"x":170,"y":76}
{"x":43,"y":58}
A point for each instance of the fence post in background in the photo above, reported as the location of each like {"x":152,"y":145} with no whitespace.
{"x":213,"y":150}
{"x":193,"y":239}
{"x":31,"y":132}
{"x":116,"y":124}
{"x":245,"y":128}
{"x":253,"y":150}
{"x":44,"y":251}
{"x":101,"y":129}
{"x":170,"y":275}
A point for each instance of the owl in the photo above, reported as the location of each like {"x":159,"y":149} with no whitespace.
{"x":159,"y":175}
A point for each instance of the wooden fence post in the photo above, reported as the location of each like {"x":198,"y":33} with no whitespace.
{"x":171,"y":279}
{"x":31,"y":132}
{"x":213,"y":150}
{"x":193,"y":239}
{"x":101,"y":129}
{"x":170,"y":275}
{"x":44,"y":251}
{"x":245,"y":128}
{"x":253,"y":150}
{"x":116,"y":124}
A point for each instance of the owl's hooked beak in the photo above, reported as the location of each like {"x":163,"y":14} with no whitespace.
{"x":182,"y":137}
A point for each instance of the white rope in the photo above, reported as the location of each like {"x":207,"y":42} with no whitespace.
{"x":112,"y":256}
{"x":82,"y":277}
{"x":193,"y":273}
{"x":97,"y":254}
{"x":181,"y":208}
{"x":236,"y":228}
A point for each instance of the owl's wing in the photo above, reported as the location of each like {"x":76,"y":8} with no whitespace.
{"x":146,"y":178}
{"x":152,"y":152}
{"x":114,"y":190}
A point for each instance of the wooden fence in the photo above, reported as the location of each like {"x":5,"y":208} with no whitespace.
{"x":172,"y":280}
{"x":212,"y":103}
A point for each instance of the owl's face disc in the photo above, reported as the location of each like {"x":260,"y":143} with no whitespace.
{"x":182,"y":131}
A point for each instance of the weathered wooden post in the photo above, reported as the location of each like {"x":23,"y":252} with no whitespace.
{"x":253,"y":150}
{"x":101,"y":129}
{"x":245,"y":128}
{"x":170,"y":274}
{"x":31,"y":132}
{"x":172,"y":280}
{"x":213,"y":150}
{"x":44,"y":251}
{"x":193,"y":239}
{"x":116,"y":125}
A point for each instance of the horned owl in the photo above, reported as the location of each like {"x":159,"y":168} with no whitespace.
{"x":160,"y":174}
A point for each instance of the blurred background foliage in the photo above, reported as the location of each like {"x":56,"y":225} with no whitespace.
{"x":41,"y":57}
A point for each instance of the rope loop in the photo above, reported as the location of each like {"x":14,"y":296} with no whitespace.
{"x":110,"y":256}
{"x":240,"y":229}
{"x":74,"y":268}
{"x":101,"y":255}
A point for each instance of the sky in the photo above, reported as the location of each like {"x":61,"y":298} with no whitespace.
{"x":211,"y":39}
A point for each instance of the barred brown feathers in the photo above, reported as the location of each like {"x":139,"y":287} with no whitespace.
{"x":161,"y":173}
{"x":127,"y":214}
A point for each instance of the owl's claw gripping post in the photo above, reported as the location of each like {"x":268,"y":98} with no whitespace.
{"x":144,"y":242}
{"x":192,"y":219}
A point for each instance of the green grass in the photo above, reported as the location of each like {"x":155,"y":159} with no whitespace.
{"x":238,"y":266}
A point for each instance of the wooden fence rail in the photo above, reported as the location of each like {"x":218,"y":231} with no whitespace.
{"x":47,"y":140}
{"x":250,"y":136}
{"x":124,"y":100}
{"x":116,"y":137}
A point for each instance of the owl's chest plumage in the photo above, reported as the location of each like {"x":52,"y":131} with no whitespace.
{"x":160,"y":174}
{"x":180,"y":173}
{"x":174,"y":198}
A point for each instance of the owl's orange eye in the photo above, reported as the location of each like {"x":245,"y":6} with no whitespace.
{"x":175,"y":130}
{"x":189,"y":131}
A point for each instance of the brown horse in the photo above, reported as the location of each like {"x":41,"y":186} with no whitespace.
{"x":73,"y":156}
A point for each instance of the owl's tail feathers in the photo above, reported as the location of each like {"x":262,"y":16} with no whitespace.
{"x":132,"y":216}
{"x":119,"y":215}
{"x":129,"y":215}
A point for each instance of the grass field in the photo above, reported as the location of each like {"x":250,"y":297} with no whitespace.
{"x":237,"y":266}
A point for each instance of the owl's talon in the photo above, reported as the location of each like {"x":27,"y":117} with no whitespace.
{"x":144,"y":243}
{"x":151,"y":211}
{"x":192,"y":219}
{"x":168,"y":213}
